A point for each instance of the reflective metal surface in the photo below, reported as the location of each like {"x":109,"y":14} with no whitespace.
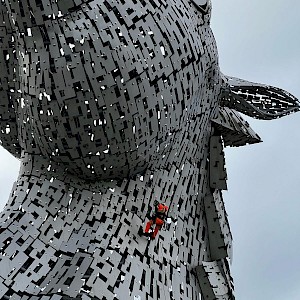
{"x":111,"y":105}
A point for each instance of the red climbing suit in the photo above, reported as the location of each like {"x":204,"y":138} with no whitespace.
{"x":157,"y":219}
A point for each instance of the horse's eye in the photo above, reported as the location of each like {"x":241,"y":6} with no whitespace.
{"x":203,"y":5}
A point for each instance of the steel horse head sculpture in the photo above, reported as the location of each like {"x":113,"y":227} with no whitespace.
{"x":111,"y":105}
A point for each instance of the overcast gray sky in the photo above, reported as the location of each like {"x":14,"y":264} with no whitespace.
{"x":258,"y":40}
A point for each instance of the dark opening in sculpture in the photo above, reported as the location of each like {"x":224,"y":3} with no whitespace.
{"x":111,"y":105}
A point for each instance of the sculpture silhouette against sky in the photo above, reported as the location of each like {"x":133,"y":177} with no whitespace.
{"x":111,"y":105}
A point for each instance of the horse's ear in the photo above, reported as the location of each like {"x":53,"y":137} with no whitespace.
{"x":257,"y":100}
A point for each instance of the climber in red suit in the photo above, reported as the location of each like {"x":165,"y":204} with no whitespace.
{"x":158,"y":219}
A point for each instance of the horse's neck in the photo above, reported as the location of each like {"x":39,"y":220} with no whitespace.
{"x":43,"y":191}
{"x":61,"y":221}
